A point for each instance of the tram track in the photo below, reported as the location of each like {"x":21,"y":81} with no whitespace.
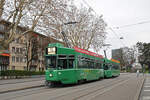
{"x":43,"y":90}
{"x":99,"y":91}
{"x":59,"y":91}
{"x":78,"y":91}
{"x":28,"y":92}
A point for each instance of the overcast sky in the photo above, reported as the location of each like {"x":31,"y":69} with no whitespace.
{"x":118,"y":13}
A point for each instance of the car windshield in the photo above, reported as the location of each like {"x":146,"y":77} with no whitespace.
{"x":51,"y":62}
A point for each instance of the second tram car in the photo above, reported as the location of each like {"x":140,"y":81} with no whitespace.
{"x":111,"y":68}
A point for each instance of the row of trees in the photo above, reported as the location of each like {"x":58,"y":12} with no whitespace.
{"x":140,"y":52}
{"x":48,"y":17}
{"x":144,"y":54}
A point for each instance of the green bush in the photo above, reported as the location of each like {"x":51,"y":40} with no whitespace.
{"x":20,"y":73}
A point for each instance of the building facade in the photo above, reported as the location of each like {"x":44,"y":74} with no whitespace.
{"x":27,"y":51}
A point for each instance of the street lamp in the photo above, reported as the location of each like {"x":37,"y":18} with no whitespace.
{"x":65,"y":36}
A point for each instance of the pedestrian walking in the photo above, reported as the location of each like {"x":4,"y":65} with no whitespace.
{"x":137,"y":73}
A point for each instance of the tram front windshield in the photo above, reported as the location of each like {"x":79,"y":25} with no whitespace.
{"x":51,"y":62}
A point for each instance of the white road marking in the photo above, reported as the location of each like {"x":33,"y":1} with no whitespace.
{"x":147,"y":90}
{"x":147,"y":83}
{"x":146,"y":86}
{"x":146,"y":98}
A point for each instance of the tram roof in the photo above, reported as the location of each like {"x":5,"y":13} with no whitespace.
{"x":75,"y":51}
{"x":111,"y":61}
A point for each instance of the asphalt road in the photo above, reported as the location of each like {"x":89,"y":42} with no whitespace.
{"x":124,"y":87}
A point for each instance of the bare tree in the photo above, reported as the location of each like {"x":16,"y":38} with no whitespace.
{"x":49,"y":16}
{"x":2,"y":3}
{"x":31,"y":49}
{"x":27,"y":13}
{"x":89,"y":32}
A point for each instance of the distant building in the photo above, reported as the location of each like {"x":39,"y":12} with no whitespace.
{"x":27,"y":50}
{"x":116,"y":54}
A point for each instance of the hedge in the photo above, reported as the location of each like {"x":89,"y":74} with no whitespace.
{"x":20,"y":73}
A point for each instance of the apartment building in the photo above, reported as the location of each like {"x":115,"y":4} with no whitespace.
{"x":27,"y":52}
{"x":4,"y":54}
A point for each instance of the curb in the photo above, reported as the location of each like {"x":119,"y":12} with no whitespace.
{"x":25,"y":77}
{"x":13,"y":90}
{"x":137,"y":96}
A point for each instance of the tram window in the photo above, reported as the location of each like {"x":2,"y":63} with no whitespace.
{"x":95,"y":65}
{"x":71,"y":57}
{"x":91,"y":65}
{"x":85,"y":64}
{"x":81,"y":62}
{"x":106,"y":67}
{"x":62,"y":63}
{"x":71,"y":63}
{"x":51,"y":61}
{"x":62,"y":57}
{"x":116,"y":67}
{"x":100,"y":66}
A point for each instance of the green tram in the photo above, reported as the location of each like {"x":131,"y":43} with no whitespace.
{"x":111,"y":68}
{"x":69,"y":66}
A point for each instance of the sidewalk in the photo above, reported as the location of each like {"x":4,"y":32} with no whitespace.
{"x":14,"y":81}
{"x":21,"y":86}
{"x":145,"y":92}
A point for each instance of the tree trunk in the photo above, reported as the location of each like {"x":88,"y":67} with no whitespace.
{"x":149,"y":67}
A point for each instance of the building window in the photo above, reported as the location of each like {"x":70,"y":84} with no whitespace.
{"x":21,"y":59}
{"x":21,"y":41}
{"x":2,"y":27}
{"x":17,"y":31}
{"x":17,"y":50}
{"x":1,"y":36}
{"x":13,"y":58}
{"x":13,"y":67}
{"x":17,"y":59}
{"x":13,"y":49}
{"x":21,"y":50}
{"x":24,"y":60}
{"x":32,"y":68}
{"x":25,"y":68}
{"x":17,"y":40}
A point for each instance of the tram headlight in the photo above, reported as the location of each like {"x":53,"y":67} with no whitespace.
{"x":59,"y":73}
{"x":50,"y":75}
